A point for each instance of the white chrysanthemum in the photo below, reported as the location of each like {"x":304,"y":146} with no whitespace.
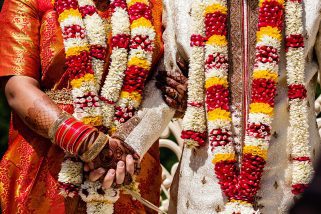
{"x":74,"y":42}
{"x":235,"y":207}
{"x":141,"y":54}
{"x":137,"y":31}
{"x":195,"y":119}
{"x":98,"y":67}
{"x":108,"y":114}
{"x":71,"y":172}
{"x":71,"y":20}
{"x":94,"y":192}
{"x":99,"y":208}
{"x":114,"y":80}
{"x":302,"y":172}
{"x":226,"y":149}
{"x":298,"y":133}
{"x":267,"y":66}
{"x":293,"y":18}
{"x":219,"y":124}
{"x":210,"y":49}
{"x":120,"y":22}
{"x":261,"y":143}
{"x":216,"y":72}
{"x":197,"y":14}
{"x":269,"y":41}
{"x":258,"y":118}
{"x":295,"y":66}
{"x":95,"y":30}
{"x":210,"y":2}
{"x":196,"y":76}
{"x":83,"y":3}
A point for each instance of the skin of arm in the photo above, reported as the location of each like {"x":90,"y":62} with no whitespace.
{"x":32,"y":105}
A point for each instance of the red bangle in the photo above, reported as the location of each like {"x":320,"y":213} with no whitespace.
{"x":71,"y":131}
{"x":81,"y":139}
{"x":71,"y":134}
{"x":71,"y":140}
{"x":68,"y":130}
{"x":61,"y":130}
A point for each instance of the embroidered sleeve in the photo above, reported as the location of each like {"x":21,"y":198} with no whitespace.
{"x":19,"y":39}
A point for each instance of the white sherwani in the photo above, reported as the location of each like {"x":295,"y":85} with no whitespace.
{"x":195,"y":188}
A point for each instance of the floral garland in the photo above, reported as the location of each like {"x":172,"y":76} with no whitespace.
{"x":79,"y":63}
{"x":264,"y":79}
{"x":118,"y":60}
{"x":139,"y":60}
{"x":209,"y":42}
{"x":194,"y":122}
{"x":300,"y":151}
{"x":85,"y":46}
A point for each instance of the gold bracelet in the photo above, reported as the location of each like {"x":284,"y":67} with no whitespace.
{"x":95,"y":148}
{"x":54,"y":127}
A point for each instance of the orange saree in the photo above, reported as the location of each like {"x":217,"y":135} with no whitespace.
{"x":31,"y":45}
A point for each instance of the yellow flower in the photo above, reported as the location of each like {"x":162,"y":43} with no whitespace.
{"x":132,"y":2}
{"x":223,"y":157}
{"x":216,"y":8}
{"x":269,"y":31}
{"x":265,"y":74}
{"x":217,"y":114}
{"x":141,"y":22}
{"x":262,"y":1}
{"x":74,"y":51}
{"x":93,"y":121}
{"x":77,"y":83}
{"x":216,"y":81}
{"x":71,"y":12}
{"x":143,"y":63}
{"x":240,"y":202}
{"x":264,"y":108}
{"x":218,"y":40}
{"x":254,"y":150}
{"x":131,"y":96}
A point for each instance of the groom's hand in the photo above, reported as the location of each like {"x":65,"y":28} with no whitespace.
{"x":173,"y":85}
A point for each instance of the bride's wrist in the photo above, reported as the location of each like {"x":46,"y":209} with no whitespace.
{"x":72,"y":135}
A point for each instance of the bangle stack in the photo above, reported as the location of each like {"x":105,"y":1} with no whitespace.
{"x":70,"y":134}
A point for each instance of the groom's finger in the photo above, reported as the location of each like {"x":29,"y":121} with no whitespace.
{"x":130,"y":164}
{"x":96,"y":174}
{"x":120,"y":172}
{"x":109,"y":179}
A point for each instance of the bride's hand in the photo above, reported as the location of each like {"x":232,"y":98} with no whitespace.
{"x":115,"y":165}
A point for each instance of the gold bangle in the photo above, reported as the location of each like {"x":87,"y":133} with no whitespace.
{"x":95,"y":148}
{"x":54,"y":127}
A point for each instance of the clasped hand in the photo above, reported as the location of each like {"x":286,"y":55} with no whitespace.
{"x":114,"y":166}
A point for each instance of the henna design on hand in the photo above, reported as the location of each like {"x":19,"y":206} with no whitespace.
{"x":173,"y":85}
{"x":114,"y":152}
{"x":42,"y":115}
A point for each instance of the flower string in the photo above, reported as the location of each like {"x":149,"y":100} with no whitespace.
{"x":194,"y":122}
{"x":139,"y":60}
{"x":79,"y":63}
{"x":240,"y":187}
{"x":118,"y":60}
{"x":298,"y":135}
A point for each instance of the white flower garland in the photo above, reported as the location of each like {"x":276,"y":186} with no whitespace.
{"x":300,"y":167}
